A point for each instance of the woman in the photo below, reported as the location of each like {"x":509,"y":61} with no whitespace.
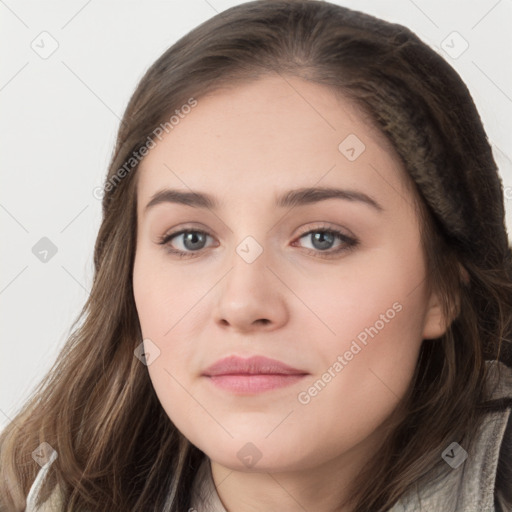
{"x":340,"y":338}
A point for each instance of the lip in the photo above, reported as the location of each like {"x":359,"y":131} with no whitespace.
{"x":252,"y":375}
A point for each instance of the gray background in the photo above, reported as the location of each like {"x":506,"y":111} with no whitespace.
{"x":60,"y":113}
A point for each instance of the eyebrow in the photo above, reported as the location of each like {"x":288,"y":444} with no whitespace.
{"x":290,"y":199}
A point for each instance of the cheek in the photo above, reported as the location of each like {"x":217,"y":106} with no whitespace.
{"x":162,"y":296}
{"x":376,"y":296}
{"x":167,"y":305}
{"x":162,"y":303}
{"x":369,"y":353}
{"x":365,"y":371}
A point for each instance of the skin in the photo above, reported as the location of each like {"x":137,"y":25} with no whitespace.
{"x":245,"y":145}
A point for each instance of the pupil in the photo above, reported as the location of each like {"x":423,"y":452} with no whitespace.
{"x":321,"y":238}
{"x":192,"y":238}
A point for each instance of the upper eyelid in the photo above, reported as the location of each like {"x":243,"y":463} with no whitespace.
{"x":319,"y":226}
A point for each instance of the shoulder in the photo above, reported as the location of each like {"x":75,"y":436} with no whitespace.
{"x":499,"y":377}
{"x":503,"y":488}
{"x":476,"y":478}
{"x":503,"y":482}
{"x":481,"y":481}
{"x":54,"y":503}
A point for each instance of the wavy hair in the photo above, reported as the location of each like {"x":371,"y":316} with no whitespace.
{"x":117,"y":448}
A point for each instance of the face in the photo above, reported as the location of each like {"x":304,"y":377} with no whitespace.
{"x":332,"y":286}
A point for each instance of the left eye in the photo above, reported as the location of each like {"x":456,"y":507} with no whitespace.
{"x":322,"y":239}
{"x":194,"y":240}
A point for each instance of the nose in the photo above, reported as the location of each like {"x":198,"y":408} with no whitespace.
{"x":251,"y":296}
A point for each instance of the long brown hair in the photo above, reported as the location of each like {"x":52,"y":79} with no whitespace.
{"x":117,"y":448}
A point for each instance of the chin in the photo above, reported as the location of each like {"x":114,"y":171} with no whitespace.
{"x":258,"y":456}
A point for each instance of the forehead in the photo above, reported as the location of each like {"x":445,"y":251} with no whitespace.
{"x":262,"y":137}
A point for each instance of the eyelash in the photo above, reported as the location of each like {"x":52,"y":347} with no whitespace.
{"x":350,"y":242}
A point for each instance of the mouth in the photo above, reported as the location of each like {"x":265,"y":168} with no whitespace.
{"x":253,"y":375}
{"x":252,"y":383}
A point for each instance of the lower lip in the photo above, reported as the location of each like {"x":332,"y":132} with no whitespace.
{"x":254,"y":383}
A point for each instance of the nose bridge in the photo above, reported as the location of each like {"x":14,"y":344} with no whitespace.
{"x":250,"y":295}
{"x":250,"y":249}
{"x":254,"y":240}
{"x":249,"y":267}
{"x":251,"y":232}
{"x":255,"y":249}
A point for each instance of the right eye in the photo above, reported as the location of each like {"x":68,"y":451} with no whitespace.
{"x":193,"y":241}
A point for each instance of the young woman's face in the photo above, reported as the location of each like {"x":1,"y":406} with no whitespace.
{"x":348,"y":312}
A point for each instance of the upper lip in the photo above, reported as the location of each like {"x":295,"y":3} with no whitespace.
{"x":234,"y":365}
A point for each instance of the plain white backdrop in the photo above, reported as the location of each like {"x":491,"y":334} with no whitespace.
{"x":68,"y":69}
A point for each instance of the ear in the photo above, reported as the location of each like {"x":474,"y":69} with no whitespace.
{"x":436,"y":323}
{"x":465,"y":275}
